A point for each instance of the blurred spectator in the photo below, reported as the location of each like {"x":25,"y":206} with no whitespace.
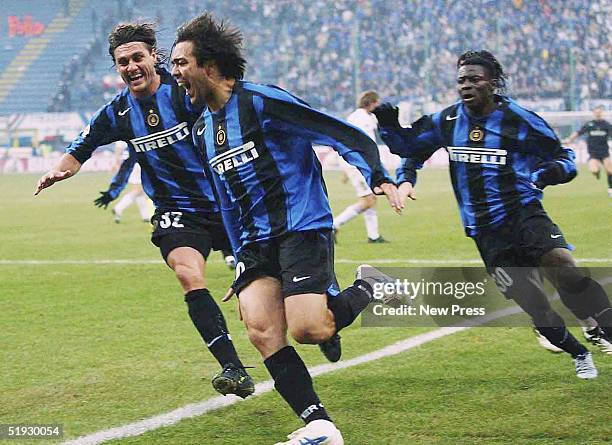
{"x":327,"y":50}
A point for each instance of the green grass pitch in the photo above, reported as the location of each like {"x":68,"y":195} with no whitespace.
{"x":94,"y":345}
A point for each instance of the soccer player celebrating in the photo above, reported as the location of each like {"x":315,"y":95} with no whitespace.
{"x":598,"y":132}
{"x":363,"y":119}
{"x":257,"y":143}
{"x":501,"y":157}
{"x":153,"y":115}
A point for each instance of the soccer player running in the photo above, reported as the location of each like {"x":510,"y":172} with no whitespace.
{"x":598,"y":132}
{"x":154,"y":117}
{"x":501,"y":157}
{"x":257,"y":143}
{"x":363,"y":119}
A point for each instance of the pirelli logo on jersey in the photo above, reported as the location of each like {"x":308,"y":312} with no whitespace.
{"x":473,"y":155}
{"x":234,"y":158}
{"x":161,"y":138}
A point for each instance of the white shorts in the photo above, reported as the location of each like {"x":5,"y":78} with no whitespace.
{"x":358,"y":181}
{"x":135,"y":175}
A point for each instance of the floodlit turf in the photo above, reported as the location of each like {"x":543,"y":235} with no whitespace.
{"x":94,"y":346}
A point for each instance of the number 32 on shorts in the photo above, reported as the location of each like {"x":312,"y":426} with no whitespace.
{"x":169,"y":219}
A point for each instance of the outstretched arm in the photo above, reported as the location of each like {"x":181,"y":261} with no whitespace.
{"x":417,"y":141}
{"x":572,"y":137}
{"x":117,"y":184}
{"x":406,"y":178}
{"x":101,"y":130}
{"x":559,"y":169}
{"x":66,"y":167}
{"x":350,"y":142}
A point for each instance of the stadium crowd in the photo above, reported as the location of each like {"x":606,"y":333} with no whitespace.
{"x":325,"y":51}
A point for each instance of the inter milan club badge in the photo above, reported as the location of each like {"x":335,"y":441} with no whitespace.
{"x":476,"y":135}
{"x":220,"y":136}
{"x":152,"y":119}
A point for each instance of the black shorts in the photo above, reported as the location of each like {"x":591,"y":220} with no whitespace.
{"x":302,"y":261}
{"x":522,"y":240}
{"x":600,"y":155}
{"x":201,"y":231}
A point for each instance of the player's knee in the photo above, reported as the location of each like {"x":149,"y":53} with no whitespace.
{"x":558,"y":258}
{"x":310,"y":333}
{"x":189,"y":275}
{"x":262,"y":336}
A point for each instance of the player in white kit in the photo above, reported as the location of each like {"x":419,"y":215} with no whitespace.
{"x":136,"y":193}
{"x":363,"y":119}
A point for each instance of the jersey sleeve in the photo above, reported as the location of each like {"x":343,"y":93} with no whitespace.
{"x":101,"y":130}
{"x":418,"y":141}
{"x":407,"y":171}
{"x":583,"y":129}
{"x":120,"y":179}
{"x":557,"y":165}
{"x":296,"y":117}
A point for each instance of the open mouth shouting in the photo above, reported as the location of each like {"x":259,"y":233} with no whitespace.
{"x":467,"y":97}
{"x":187,"y":87}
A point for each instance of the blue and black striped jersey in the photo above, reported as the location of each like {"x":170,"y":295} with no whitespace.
{"x":157,"y":130}
{"x":120,"y":179}
{"x":259,"y":154}
{"x":495,"y":160}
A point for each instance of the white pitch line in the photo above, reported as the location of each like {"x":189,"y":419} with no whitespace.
{"x":214,"y":260}
{"x":198,"y":409}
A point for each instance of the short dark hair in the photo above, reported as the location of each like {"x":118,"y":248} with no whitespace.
{"x":488,"y":60}
{"x":214,"y":41}
{"x":133,"y":32}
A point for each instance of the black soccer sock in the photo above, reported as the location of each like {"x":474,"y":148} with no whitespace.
{"x":586,"y":298}
{"x":550,"y":324}
{"x":604,"y":319}
{"x":294,"y":384}
{"x":349,"y":303}
{"x":610,"y":181}
{"x":210,"y":323}
{"x":562,"y":338}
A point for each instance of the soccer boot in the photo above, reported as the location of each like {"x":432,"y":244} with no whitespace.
{"x":317,"y":432}
{"x":585,"y":368}
{"x":332,"y":348}
{"x":233,"y":380}
{"x":543,"y":341}
{"x":597,"y":337}
{"x":230,"y":262}
{"x":116,"y":216}
{"x":377,"y":280}
{"x":379,"y":240}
